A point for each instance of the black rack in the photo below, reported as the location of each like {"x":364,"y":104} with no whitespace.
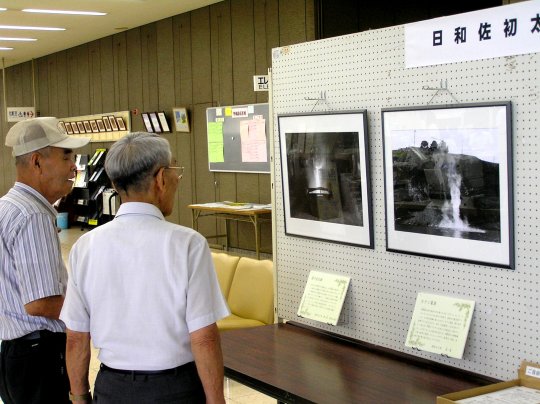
{"x":87,"y":195}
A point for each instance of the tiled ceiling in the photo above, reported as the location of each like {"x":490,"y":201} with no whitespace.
{"x":79,"y":29}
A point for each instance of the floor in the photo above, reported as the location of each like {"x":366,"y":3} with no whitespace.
{"x":235,"y":393}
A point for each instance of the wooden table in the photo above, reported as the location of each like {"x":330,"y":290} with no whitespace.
{"x":254,"y":214}
{"x":295,"y":364}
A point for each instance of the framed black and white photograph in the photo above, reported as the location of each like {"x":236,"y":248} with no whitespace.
{"x":181,"y":120}
{"x":163,"y":122}
{"x":448,"y":182}
{"x":75,"y":128}
{"x":325,"y":176}
{"x":147,"y":123}
{"x":155,"y":122}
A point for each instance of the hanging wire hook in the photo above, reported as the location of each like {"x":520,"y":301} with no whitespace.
{"x":440,"y":89}
{"x":322,"y":98}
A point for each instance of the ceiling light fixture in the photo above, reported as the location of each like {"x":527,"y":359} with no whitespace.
{"x":4,"y":48}
{"x":8,"y":38}
{"x":3,"y":9}
{"x":70,"y":12}
{"x":23,"y":27}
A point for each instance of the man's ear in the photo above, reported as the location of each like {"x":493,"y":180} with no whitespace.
{"x":34,"y":160}
{"x":160,"y":180}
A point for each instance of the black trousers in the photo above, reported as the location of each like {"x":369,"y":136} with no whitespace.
{"x":182,"y":385}
{"x":33,"y":371}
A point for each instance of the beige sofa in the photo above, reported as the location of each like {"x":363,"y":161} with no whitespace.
{"x":248,"y":287}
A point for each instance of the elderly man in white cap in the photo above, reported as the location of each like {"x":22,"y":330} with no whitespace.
{"x":33,"y":276}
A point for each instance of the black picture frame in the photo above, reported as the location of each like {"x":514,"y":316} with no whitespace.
{"x":163,"y":121}
{"x":147,"y":123}
{"x":448,"y":182}
{"x":325,"y":176}
{"x":155,"y":122}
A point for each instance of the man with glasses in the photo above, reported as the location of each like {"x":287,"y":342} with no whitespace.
{"x":33,"y":276}
{"x":145,"y":290}
{"x":179,"y":171}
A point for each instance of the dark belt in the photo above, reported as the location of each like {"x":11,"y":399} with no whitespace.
{"x":35,"y":335}
{"x":147,"y":372}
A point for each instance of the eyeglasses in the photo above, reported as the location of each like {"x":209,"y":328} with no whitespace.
{"x":179,"y":170}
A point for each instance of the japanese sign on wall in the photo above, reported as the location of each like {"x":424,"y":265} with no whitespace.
{"x":16,"y":114}
{"x":260,"y":83}
{"x":494,"y":32}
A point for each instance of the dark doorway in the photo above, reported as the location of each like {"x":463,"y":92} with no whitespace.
{"x":341,"y":17}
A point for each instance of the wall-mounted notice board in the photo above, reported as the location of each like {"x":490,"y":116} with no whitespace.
{"x":238,"y":138}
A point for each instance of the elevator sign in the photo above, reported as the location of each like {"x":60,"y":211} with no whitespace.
{"x":260,"y":83}
{"x":16,"y":114}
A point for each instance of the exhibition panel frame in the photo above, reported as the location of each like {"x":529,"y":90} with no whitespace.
{"x":366,"y":71}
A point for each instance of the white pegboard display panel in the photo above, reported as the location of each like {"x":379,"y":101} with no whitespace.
{"x":366,"y":71}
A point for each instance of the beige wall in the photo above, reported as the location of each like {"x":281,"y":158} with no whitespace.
{"x":199,"y":59}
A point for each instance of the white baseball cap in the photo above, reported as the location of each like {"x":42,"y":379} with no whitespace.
{"x":36,"y":133}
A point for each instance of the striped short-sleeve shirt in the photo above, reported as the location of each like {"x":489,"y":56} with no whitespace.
{"x":31,"y":265}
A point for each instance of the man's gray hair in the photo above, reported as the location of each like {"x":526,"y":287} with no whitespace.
{"x":24,"y":159}
{"x":133,"y":160}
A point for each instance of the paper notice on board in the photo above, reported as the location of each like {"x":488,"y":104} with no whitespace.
{"x":253,"y":137}
{"x":215,"y":142}
{"x":440,"y":324}
{"x":215,"y":153}
{"x":323,"y":297}
{"x":240,"y":112}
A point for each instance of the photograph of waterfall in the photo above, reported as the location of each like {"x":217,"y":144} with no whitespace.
{"x":448,"y":182}
{"x":326,"y":191}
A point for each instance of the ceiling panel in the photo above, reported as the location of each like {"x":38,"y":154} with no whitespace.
{"x":121,"y":15}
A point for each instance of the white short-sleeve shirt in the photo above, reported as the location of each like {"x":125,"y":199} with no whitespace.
{"x":140,"y":285}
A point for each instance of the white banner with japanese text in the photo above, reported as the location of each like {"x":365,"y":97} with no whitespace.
{"x":494,"y":32}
